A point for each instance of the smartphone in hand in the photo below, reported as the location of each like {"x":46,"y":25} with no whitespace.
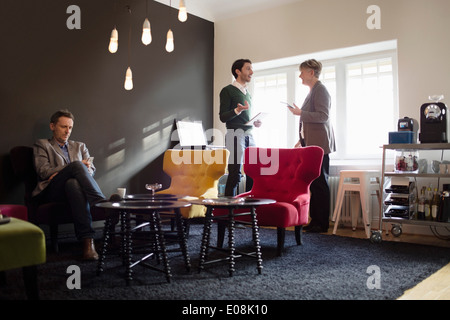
{"x":287,"y":104}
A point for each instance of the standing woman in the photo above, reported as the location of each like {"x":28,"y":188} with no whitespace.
{"x":316,"y":130}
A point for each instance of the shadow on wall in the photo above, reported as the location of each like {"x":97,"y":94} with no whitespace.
{"x":153,"y":171}
{"x":132,"y":164}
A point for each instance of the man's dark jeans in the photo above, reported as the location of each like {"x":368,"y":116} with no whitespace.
{"x":75,"y":185}
{"x":236,"y":142}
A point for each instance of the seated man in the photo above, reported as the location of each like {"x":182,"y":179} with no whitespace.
{"x":65,"y":174}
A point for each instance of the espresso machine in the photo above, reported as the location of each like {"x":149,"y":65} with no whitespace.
{"x":433,"y":122}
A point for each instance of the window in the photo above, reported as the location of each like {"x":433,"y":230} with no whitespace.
{"x":363,"y":96}
{"x":370,"y":106}
{"x":268,"y":92}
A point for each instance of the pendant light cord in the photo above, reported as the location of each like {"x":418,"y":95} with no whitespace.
{"x":129,"y":38}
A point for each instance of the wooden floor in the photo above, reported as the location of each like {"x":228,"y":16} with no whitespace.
{"x":435,"y":287}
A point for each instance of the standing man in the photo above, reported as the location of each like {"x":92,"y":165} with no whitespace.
{"x":65,"y":174}
{"x":316,"y":130}
{"x":235,"y":110}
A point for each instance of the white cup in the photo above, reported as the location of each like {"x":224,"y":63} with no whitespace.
{"x":121,"y":192}
{"x":442,"y":168}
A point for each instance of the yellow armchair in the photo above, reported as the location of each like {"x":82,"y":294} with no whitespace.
{"x":194,"y":174}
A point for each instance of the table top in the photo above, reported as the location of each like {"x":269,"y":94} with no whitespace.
{"x":149,"y":196}
{"x":144,"y":205}
{"x":233,"y":202}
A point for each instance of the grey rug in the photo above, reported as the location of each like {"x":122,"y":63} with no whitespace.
{"x":325,"y":267}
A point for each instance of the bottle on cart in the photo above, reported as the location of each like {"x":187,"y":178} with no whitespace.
{"x":421,"y":205}
{"x":444,"y":210}
{"x":414,"y":200}
{"x":435,"y":204}
{"x":428,"y":200}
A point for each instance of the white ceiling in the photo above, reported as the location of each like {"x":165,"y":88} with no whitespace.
{"x":216,"y":10}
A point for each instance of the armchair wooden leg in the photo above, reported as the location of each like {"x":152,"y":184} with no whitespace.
{"x":281,"y":233}
{"x":298,"y":235}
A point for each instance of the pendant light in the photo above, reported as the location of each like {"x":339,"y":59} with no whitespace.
{"x":182,"y":13}
{"x":128,"y":85}
{"x":114,"y":41}
{"x":146,"y":30}
{"x":146,"y":33}
{"x":170,"y":46}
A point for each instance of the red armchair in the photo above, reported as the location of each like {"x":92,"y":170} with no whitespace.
{"x":283,"y":175}
{"x":15,"y":211}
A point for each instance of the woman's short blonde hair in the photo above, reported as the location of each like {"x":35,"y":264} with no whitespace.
{"x":314,"y":65}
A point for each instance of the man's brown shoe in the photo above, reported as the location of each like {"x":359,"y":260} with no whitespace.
{"x":89,"y":252}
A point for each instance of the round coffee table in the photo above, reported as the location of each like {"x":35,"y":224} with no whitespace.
{"x":150,"y":210}
{"x":231,"y":204}
{"x":152,"y":197}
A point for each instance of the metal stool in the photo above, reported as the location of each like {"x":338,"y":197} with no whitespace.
{"x":364,"y":182}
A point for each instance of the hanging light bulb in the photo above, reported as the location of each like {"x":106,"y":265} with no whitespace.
{"x":114,"y":41}
{"x":128,"y":85}
{"x":146,"y":33}
{"x":128,"y":80}
{"x":182,"y":13}
{"x":170,"y":44}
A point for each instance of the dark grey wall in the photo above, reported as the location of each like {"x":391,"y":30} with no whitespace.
{"x":46,"y":67}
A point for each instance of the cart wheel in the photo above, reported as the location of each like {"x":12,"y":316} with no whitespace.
{"x":396,"y":230}
{"x":375,"y":237}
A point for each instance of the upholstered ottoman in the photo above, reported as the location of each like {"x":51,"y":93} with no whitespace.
{"x":22,"y":245}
